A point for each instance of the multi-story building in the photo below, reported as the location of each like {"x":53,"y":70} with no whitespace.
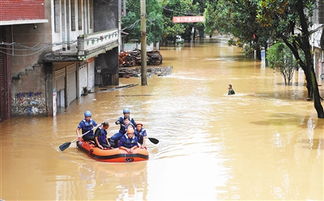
{"x":14,"y":17}
{"x":52,"y":51}
{"x":315,"y":40}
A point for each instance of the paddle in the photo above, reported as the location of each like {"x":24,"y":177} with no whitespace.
{"x":153,"y":140}
{"x":66,"y":145}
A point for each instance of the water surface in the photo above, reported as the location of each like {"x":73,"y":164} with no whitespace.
{"x":264,"y":143}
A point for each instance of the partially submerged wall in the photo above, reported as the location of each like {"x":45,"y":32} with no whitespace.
{"x":28,"y":92}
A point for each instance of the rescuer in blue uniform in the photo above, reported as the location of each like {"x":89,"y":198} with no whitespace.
{"x":141,"y":134}
{"x":87,"y":124}
{"x":123,"y":122}
{"x":129,"y":141}
{"x":101,"y":136}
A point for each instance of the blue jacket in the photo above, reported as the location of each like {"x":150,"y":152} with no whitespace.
{"x":128,"y":142}
{"x":141,"y":133}
{"x":102,"y":136}
{"x":122,"y":128}
{"x":86,"y":126}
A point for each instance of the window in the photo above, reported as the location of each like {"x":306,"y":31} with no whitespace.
{"x":91,"y":13}
{"x":85,"y":15}
{"x":67,"y":14}
{"x":79,"y":14}
{"x":57,"y":8}
{"x":72,"y":15}
{"x":63,"y":18}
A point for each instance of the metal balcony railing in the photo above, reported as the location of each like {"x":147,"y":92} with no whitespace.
{"x":89,"y":43}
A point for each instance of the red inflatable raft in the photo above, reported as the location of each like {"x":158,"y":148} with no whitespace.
{"x":112,"y":155}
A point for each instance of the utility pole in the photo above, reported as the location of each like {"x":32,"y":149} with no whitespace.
{"x":143,"y":43}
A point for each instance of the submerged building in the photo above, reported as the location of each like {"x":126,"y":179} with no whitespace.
{"x":317,"y":40}
{"x":53,"y":51}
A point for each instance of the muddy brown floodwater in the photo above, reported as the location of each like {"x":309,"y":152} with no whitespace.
{"x":264,"y":143}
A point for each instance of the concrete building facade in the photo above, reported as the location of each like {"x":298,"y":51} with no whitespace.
{"x":16,"y":16}
{"x":52,"y":63}
{"x":315,"y":40}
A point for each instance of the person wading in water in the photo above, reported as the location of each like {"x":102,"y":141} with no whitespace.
{"x":230,"y":90}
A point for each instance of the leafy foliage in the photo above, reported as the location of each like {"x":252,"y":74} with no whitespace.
{"x":237,"y":18}
{"x":289,"y":21}
{"x":280,"y":58}
{"x":210,"y":18}
{"x":180,"y":8}
{"x":131,"y":22}
{"x":159,"y":19}
{"x":257,"y":21}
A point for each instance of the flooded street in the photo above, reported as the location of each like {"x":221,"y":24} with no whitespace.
{"x":263,"y":143}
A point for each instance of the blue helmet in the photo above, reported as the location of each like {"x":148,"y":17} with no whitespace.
{"x":87,"y":114}
{"x":126,"y":111}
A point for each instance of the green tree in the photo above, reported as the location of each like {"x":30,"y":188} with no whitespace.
{"x":131,"y":22}
{"x":283,"y":18}
{"x":159,"y":19}
{"x":173,"y":8}
{"x":239,"y":19}
{"x":281,"y":59}
{"x":254,"y":22}
{"x":210,"y":18}
{"x":201,"y":9}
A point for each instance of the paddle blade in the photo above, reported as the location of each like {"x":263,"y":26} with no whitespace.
{"x":64,"y":146}
{"x":153,"y":140}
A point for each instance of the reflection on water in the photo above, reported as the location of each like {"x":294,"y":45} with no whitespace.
{"x":114,"y":181}
{"x":310,"y":131}
{"x":263,"y":143}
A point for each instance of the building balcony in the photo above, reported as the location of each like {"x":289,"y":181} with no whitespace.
{"x":91,"y":45}
{"x":86,"y":46}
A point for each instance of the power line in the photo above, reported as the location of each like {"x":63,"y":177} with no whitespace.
{"x":23,"y":55}
{"x":131,"y":26}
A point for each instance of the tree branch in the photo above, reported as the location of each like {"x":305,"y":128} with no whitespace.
{"x":294,"y":50}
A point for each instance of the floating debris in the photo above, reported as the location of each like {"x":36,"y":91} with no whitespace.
{"x":127,"y":72}
{"x":118,"y":87}
{"x":133,"y":58}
